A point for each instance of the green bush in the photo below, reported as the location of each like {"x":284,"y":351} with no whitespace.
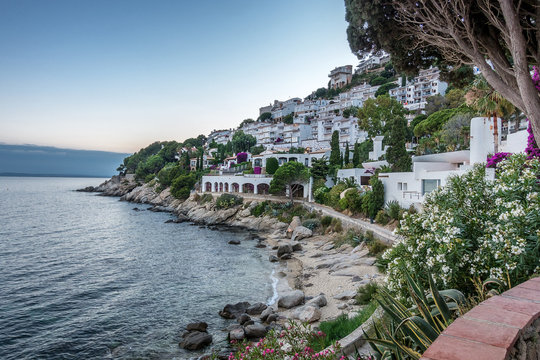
{"x":326,"y":221}
{"x":393,"y":209}
{"x":336,"y":225}
{"x":181,"y":186}
{"x":333,"y":196}
{"x":311,"y":224}
{"x":149,"y":178}
{"x":382,"y":218}
{"x":353,"y":200}
{"x":473,"y":228}
{"x":376,"y":247}
{"x":259,"y":209}
{"x":204,"y":198}
{"x":321,"y":194}
{"x":350,"y":237}
{"x":271,"y":166}
{"x":226,"y":201}
{"x":366,"y":293}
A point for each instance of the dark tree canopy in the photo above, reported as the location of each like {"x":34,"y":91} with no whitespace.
{"x":501,"y":37}
{"x":289,"y":176}
{"x":335,"y":153}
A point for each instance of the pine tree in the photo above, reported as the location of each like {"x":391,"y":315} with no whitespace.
{"x":356,"y":155}
{"x":397,"y":155}
{"x":346,"y":160}
{"x":335,"y":154}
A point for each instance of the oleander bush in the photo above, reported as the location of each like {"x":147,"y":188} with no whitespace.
{"x":296,"y":341}
{"x":226,"y":201}
{"x":473,"y":228}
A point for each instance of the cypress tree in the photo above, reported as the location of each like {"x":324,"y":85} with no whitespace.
{"x":356,"y":155}
{"x":346,"y":160}
{"x":335,"y":154}
{"x":397,"y":155}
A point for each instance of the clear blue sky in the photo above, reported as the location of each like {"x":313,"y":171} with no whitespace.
{"x":117,"y":75}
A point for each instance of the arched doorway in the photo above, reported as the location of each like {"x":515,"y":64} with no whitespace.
{"x":226,"y":187}
{"x":263,"y":189}
{"x":235,"y":187}
{"x":215,"y":187}
{"x":248,"y":188}
{"x":220,"y":187}
{"x":208,"y":187}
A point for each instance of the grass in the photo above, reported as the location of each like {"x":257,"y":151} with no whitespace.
{"x":343,"y":326}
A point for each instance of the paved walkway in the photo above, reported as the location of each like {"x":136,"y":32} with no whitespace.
{"x":379,"y":232}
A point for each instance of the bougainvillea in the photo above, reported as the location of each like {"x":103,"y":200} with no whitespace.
{"x":532,"y":149}
{"x":473,"y":228}
{"x":493,"y":160}
{"x":241,"y":157}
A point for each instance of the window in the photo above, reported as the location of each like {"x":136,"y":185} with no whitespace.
{"x":428,"y":185}
{"x":400,"y":186}
{"x":404,"y":187}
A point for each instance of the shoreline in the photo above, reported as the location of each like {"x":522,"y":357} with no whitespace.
{"x":315,"y":268}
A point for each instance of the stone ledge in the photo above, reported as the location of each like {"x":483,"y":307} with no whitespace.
{"x":490,"y":330}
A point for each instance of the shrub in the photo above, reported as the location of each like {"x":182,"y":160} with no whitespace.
{"x":226,"y":201}
{"x":366,"y":293}
{"x":149,"y":178}
{"x":297,"y":336}
{"x":326,"y":220}
{"x":271,"y":166}
{"x":259,"y":209}
{"x":382,"y":217}
{"x":376,"y":247}
{"x":320,"y":194}
{"x":393,"y":209}
{"x":334,"y":195}
{"x":473,"y":228}
{"x":311,"y":224}
{"x":336,"y":224}
{"x":350,"y":237}
{"x":182,"y":185}
{"x":204,"y":198}
{"x":241,"y":157}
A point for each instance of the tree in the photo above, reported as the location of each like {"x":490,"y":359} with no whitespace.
{"x":356,"y":155}
{"x":361,"y":152}
{"x":182,"y":185}
{"x":373,"y":201}
{"x":289,"y":176}
{"x":256,"y":150}
{"x":435,"y":103}
{"x":289,"y":119}
{"x":385,"y":88}
{"x":373,"y":116}
{"x":490,"y":104}
{"x":455,"y":133}
{"x":265,"y":116}
{"x":319,"y":168}
{"x":335,"y":153}
{"x":242,"y":142}
{"x":501,"y":37}
{"x":245,"y":122}
{"x":397,"y":155}
{"x":379,"y":80}
{"x":346,"y":159}
{"x":271,"y":165}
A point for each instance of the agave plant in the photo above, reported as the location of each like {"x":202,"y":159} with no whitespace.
{"x":410,"y":331}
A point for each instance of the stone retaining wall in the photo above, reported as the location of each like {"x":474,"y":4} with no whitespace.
{"x":504,"y":327}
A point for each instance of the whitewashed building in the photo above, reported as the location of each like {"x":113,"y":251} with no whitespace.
{"x":220,"y":136}
{"x":413,"y":96}
{"x":340,"y":76}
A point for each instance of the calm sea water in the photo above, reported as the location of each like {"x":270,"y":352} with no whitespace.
{"x":87,"y":277}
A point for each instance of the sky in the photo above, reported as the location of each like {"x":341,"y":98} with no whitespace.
{"x":118,"y":75}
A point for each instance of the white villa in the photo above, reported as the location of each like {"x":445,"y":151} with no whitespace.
{"x":431,"y":171}
{"x":413,"y":96}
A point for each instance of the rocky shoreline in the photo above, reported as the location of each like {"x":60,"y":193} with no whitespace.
{"x":314,"y":281}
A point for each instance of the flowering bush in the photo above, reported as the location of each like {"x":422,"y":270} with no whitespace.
{"x":257,"y":170}
{"x":496,"y":158}
{"x":473,"y":228}
{"x":532,"y":149}
{"x":241,"y":157}
{"x":291,"y":343}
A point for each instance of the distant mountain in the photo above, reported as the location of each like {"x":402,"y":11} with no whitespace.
{"x":32,"y":160}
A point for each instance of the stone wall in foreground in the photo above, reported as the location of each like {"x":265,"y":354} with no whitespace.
{"x":504,"y":327}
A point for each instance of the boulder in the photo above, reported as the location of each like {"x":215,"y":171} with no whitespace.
{"x":197,"y":326}
{"x":296,"y":246}
{"x":291,"y":299}
{"x":273,"y":258}
{"x":328,"y":247}
{"x":255,"y":331}
{"x":296,"y":222}
{"x":242,"y":319}
{"x":300,"y":233}
{"x":285,"y":256}
{"x":232,"y":311}
{"x":346,"y":295}
{"x":237,"y":334}
{"x":234,"y":242}
{"x":256,"y":308}
{"x":196,"y":340}
{"x":318,"y":301}
{"x":342,"y":306}
{"x":267,"y":312}
{"x":272,"y":318}
{"x":284,"y":249}
{"x":308,"y":313}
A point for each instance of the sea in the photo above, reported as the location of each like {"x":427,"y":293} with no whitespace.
{"x":84,"y":276}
